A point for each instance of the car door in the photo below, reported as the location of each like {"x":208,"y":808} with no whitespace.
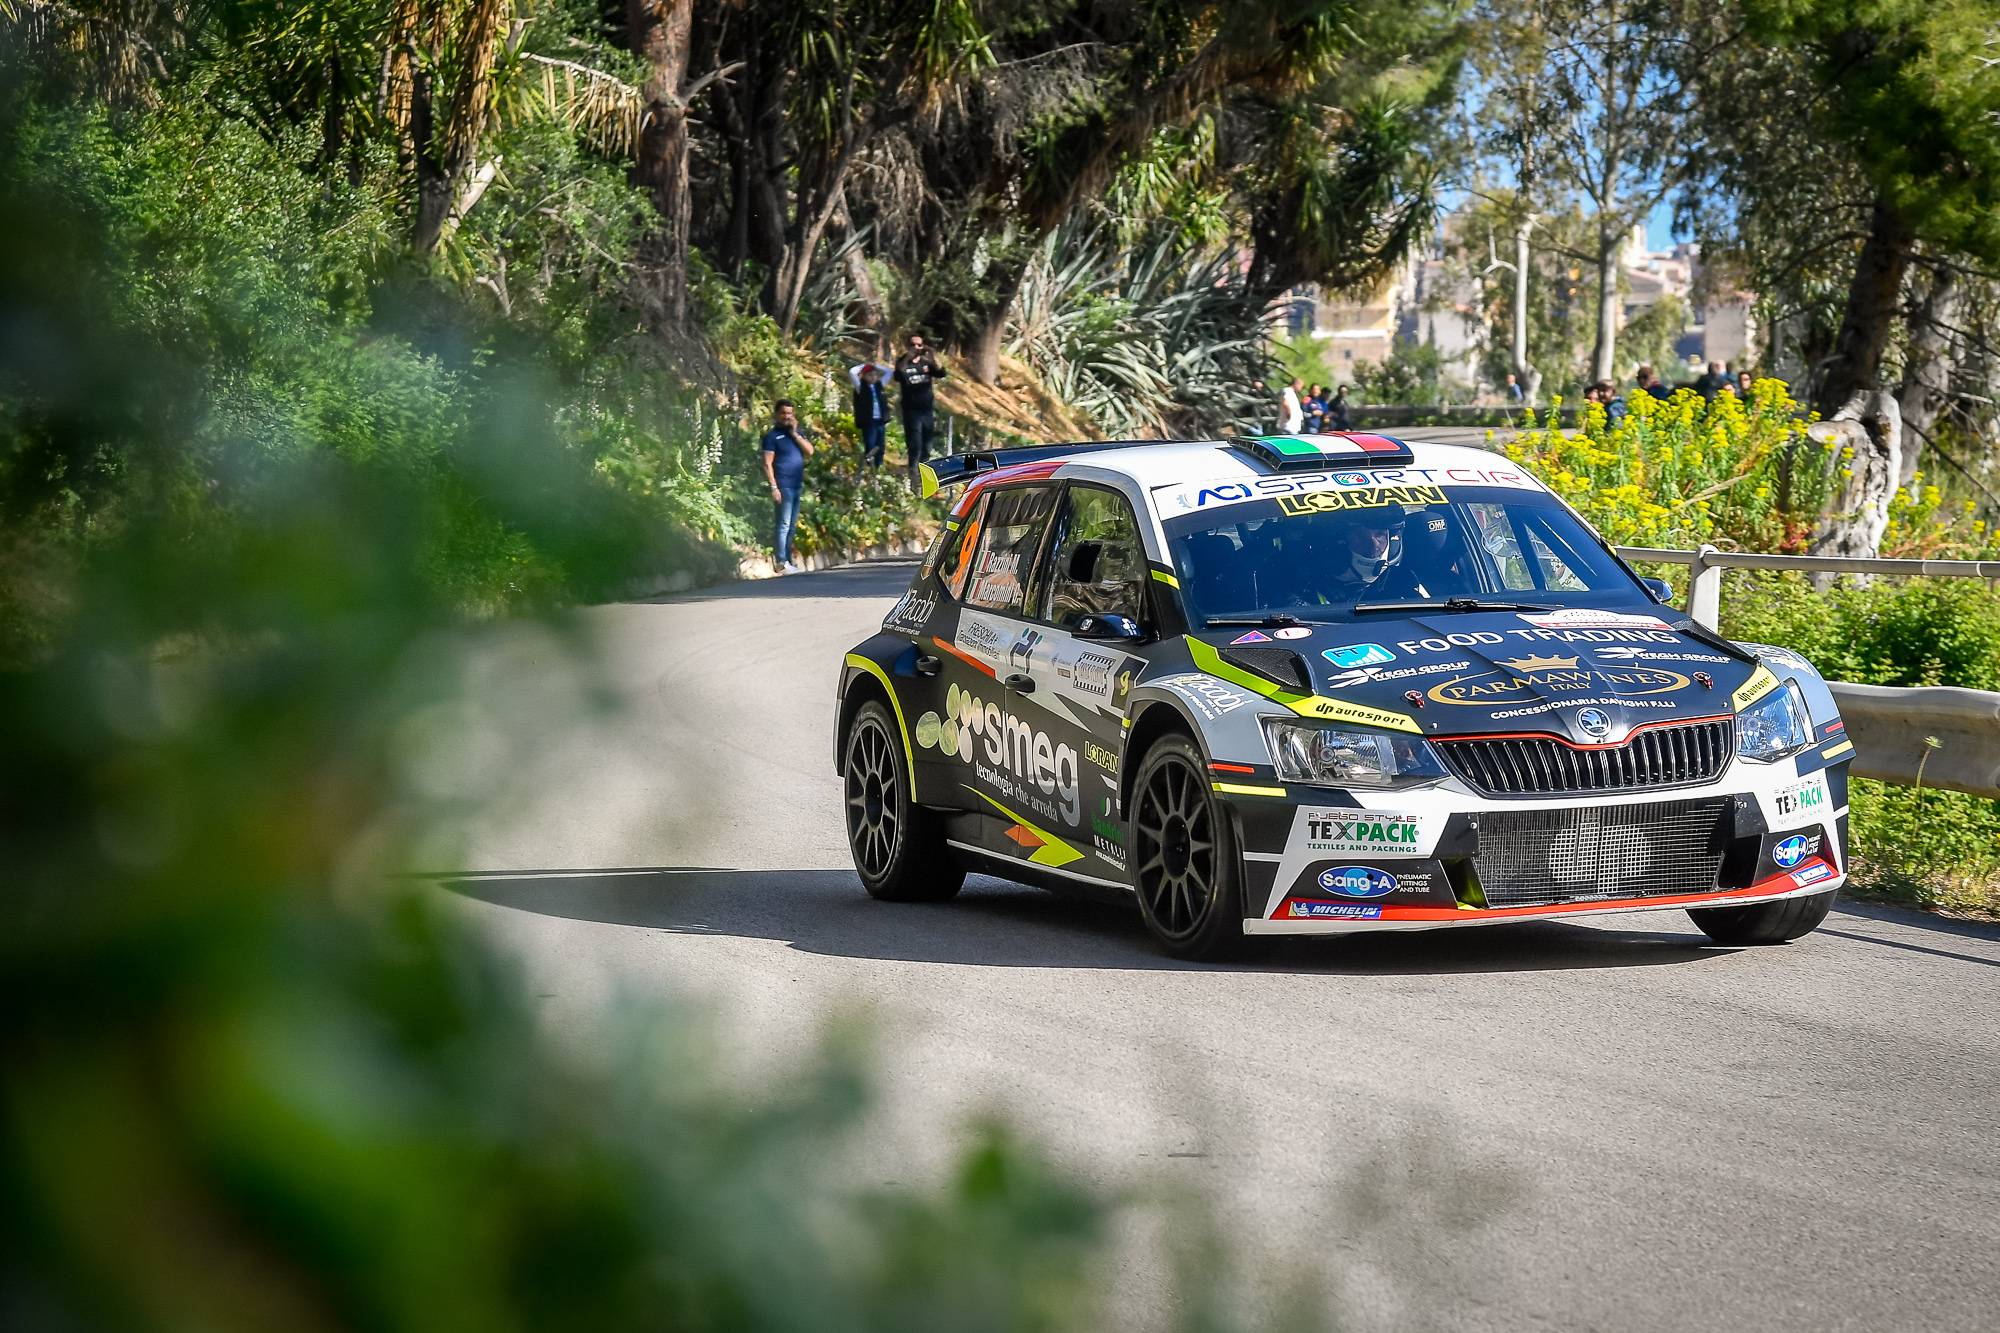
{"x":1096,"y":571}
{"x":981,"y":736}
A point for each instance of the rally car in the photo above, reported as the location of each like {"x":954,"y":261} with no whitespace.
{"x":1324,"y":684}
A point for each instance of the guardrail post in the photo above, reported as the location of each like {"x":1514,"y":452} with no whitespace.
{"x":1705,"y":588}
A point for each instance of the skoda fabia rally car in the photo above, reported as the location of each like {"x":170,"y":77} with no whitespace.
{"x":1311,"y":685}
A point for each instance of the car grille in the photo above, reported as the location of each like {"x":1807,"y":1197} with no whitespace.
{"x":1685,"y":754}
{"x":1531,"y":858}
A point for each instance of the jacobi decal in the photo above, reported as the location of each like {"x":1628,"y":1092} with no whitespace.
{"x":1375,"y":497}
{"x":1007,"y":753}
{"x":1209,"y":696}
{"x":1525,"y":680}
{"x":1203,"y":495}
{"x":912,"y":613}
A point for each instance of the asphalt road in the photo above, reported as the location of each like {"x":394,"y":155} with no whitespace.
{"x":1541,"y":1125}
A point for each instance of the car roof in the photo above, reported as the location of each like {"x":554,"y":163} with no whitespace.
{"x":1172,"y":461}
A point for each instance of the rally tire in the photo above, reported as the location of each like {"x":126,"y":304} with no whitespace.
{"x":1186,"y":871}
{"x":898,"y":845}
{"x":1765,"y":923}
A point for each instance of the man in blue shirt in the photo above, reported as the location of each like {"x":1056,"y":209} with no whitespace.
{"x":785,"y":450}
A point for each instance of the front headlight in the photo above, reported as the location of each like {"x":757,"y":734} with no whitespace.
{"x":1346,"y":757}
{"x":1774,"y":726}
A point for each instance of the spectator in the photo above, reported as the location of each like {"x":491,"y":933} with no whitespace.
{"x":1605,"y":393}
{"x":1712,"y":381}
{"x":1515,"y":396}
{"x":1315,"y":406}
{"x":915,"y":369}
{"x":871,"y":408}
{"x":1743,"y":382}
{"x":1291,"y":413}
{"x":785,"y":450}
{"x":1650,"y":382}
{"x":1336,"y":411}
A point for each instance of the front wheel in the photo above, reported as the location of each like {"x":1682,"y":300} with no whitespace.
{"x":1187,"y":873}
{"x":898,"y":845}
{"x":1765,"y":923}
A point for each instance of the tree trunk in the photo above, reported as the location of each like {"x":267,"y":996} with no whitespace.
{"x":1926,"y":370}
{"x":1872,"y":298}
{"x":660,"y":34}
{"x":1870,"y":425}
{"x":1530,"y":377}
{"x":1604,"y":350}
{"x":982,"y":350}
{"x":444,"y":152}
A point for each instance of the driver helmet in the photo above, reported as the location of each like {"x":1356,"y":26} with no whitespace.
{"x":1367,"y":541}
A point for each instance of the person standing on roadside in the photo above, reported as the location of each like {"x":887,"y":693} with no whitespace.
{"x":1336,"y":412}
{"x":916,"y":368}
{"x":785,"y":449}
{"x":871,"y":408}
{"x":1743,"y":382}
{"x":1291,"y":412}
{"x":1712,"y":382}
{"x":1515,"y":395}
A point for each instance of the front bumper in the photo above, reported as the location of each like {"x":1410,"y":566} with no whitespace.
{"x":1325,"y":861}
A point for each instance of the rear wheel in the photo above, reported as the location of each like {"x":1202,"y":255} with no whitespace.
{"x":1186,"y":870}
{"x":898,"y":845}
{"x":1765,"y":923}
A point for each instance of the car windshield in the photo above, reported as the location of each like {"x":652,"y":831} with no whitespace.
{"x":1347,"y":554}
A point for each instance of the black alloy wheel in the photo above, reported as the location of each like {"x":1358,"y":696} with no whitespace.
{"x":1184,"y":857}
{"x":898,"y":845}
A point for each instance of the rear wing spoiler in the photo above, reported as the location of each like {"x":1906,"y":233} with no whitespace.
{"x":958,"y":469}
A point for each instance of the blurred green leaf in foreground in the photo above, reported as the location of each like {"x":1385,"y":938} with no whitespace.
{"x":252,"y":1080}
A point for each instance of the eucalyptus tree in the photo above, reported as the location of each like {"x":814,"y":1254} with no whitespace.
{"x":1912,"y":90}
{"x":1614,"y":84}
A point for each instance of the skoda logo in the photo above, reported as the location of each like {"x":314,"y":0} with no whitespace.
{"x":1593,"y":722}
{"x":1791,"y":851}
{"x":1357,"y":881}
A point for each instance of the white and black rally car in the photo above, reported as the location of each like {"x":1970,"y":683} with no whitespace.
{"x":1324,"y":684}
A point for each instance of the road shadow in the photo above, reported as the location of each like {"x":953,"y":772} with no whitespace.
{"x":868,"y":578}
{"x":1866,"y":923}
{"x":994,"y":923}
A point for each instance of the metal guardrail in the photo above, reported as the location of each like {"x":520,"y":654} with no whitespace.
{"x":1705,"y":584}
{"x":1950,"y":737}
{"x":1936,"y":735}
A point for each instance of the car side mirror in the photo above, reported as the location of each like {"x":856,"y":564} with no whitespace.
{"x":1083,"y":559}
{"x":1663,"y":591}
{"x":1108,"y":625}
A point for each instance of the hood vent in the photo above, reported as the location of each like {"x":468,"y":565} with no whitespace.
{"x":1279,"y":665}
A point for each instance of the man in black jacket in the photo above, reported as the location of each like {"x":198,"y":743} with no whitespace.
{"x":915,"y":369}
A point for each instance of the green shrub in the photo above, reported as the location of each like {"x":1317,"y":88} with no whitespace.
{"x":1924,"y":846}
{"x":1943,"y":631}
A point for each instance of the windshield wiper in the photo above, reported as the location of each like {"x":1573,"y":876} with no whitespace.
{"x":1276,"y":620}
{"x":1452,"y":604}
